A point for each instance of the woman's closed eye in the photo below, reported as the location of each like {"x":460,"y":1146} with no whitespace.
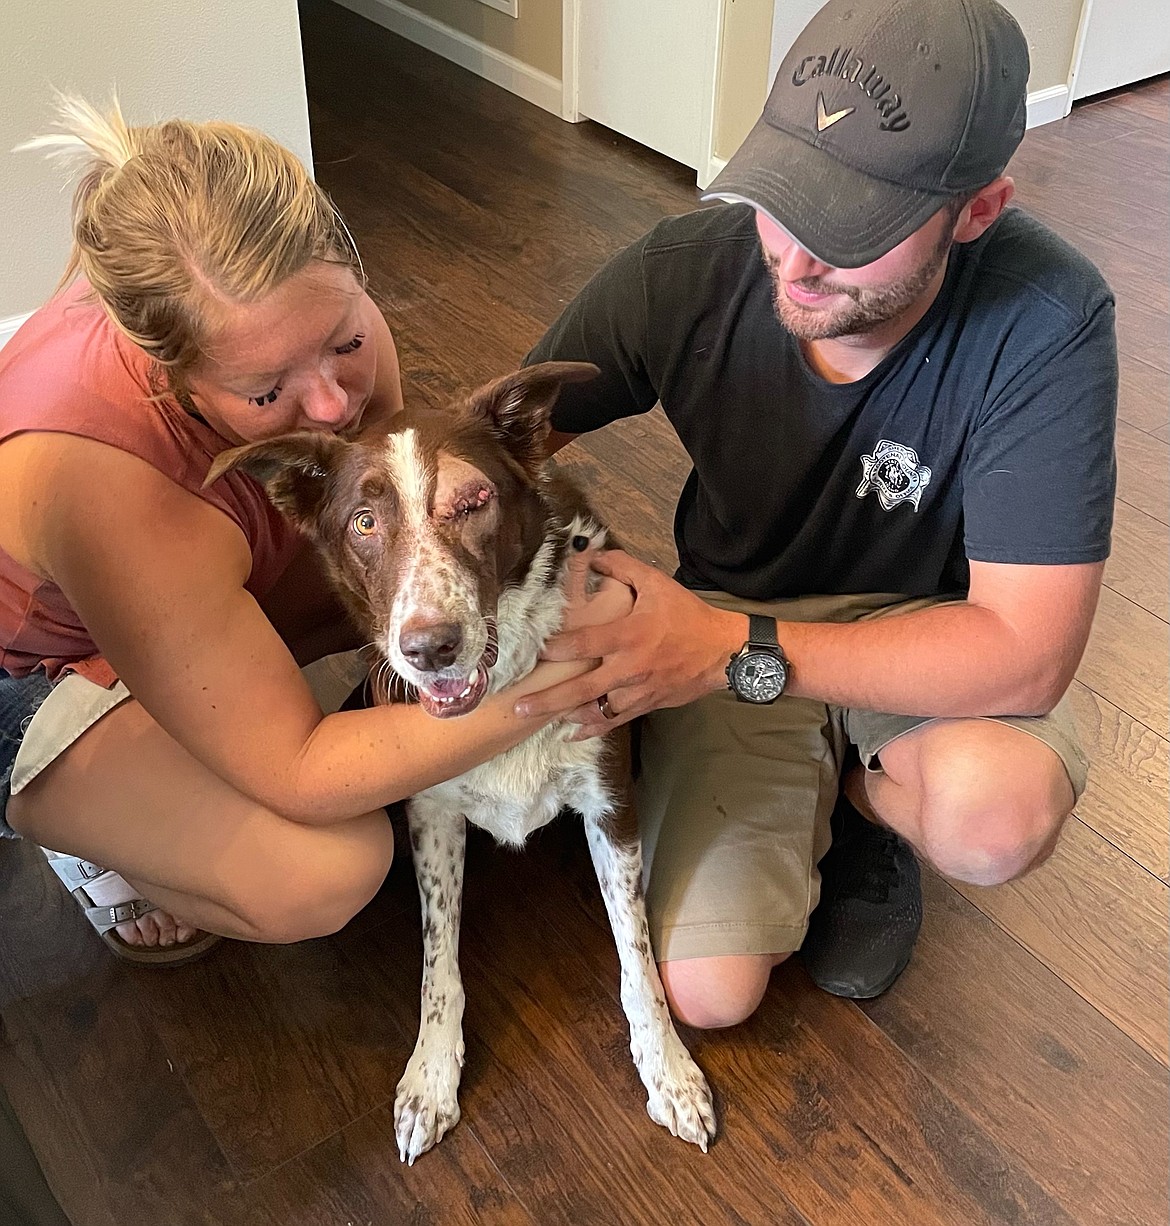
{"x":267,"y":398}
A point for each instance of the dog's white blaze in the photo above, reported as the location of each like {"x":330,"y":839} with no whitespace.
{"x":431,"y":585}
{"x":408,"y":473}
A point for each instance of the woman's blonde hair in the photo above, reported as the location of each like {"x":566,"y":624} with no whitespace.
{"x":173,"y":218}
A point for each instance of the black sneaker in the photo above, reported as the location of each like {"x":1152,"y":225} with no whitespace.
{"x":863,"y":931}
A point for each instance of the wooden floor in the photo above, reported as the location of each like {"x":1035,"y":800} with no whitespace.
{"x":1017,"y":1073}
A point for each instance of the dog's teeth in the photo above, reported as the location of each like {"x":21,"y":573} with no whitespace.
{"x":466,"y":692}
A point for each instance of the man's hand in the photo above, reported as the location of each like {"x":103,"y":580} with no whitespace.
{"x":670,"y":649}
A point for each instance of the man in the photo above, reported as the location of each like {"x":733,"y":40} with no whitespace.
{"x":899,"y":401}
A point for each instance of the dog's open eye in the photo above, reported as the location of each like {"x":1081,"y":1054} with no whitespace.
{"x":365,"y":523}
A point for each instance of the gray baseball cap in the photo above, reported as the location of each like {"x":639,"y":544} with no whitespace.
{"x":882,"y":111}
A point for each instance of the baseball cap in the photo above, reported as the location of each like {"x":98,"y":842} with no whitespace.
{"x":881,"y":112}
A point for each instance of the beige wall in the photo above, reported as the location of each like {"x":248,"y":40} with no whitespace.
{"x":198,"y":58}
{"x":1050,"y":26}
{"x":742,"y":83}
{"x":533,"y":37}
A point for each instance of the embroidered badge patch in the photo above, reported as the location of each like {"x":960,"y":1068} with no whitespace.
{"x":894,"y":471}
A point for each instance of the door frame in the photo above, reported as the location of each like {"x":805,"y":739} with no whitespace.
{"x":570,"y":36}
{"x":1078,"y":54}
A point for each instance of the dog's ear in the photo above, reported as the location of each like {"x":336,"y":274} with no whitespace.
{"x":293,"y":468}
{"x":518,"y":405}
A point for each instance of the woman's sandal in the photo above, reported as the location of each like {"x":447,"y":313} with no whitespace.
{"x":79,"y":875}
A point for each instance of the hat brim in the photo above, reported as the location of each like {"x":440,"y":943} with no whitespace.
{"x":842,"y":217}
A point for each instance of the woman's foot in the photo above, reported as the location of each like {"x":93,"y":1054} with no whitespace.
{"x":131,"y":926}
{"x":155,"y":928}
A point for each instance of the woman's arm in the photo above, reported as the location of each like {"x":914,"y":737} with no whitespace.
{"x":156,"y":575}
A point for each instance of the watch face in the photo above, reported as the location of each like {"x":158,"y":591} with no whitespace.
{"x":759,"y":676}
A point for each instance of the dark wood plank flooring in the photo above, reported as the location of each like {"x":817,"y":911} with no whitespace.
{"x":1015,"y":1074}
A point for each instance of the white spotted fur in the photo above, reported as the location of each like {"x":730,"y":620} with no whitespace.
{"x":511,"y":796}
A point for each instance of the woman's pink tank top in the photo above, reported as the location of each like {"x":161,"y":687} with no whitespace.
{"x":70,"y":370}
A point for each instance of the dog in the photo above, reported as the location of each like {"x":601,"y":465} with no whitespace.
{"x":448,"y":538}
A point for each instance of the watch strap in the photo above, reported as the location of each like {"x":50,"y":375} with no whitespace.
{"x":762,"y":631}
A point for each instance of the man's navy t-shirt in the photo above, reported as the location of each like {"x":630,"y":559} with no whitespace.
{"x":986,"y":434}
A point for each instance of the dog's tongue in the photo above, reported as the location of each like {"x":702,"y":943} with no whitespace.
{"x":448,"y":688}
{"x":444,"y":699}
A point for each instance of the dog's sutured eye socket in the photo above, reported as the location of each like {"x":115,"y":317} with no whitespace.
{"x":365,"y":523}
{"x":476,"y":499}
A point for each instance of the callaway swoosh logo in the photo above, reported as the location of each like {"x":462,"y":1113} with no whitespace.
{"x":824,"y":119}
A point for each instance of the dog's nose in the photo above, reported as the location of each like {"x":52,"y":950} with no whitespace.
{"x":430,"y":646}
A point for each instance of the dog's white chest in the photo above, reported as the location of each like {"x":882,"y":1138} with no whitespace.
{"x":523,"y":789}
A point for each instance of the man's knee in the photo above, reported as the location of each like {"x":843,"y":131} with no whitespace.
{"x":317,"y":897}
{"x":713,"y":993}
{"x":986,"y":829}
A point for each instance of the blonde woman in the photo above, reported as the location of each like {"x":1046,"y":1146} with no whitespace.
{"x":156,"y":729}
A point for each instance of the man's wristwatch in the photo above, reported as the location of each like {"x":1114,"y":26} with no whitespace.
{"x":758,"y":672}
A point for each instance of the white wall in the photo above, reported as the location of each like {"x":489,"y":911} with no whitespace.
{"x":201,"y":59}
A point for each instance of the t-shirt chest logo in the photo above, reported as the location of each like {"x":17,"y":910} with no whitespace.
{"x":894,"y":472}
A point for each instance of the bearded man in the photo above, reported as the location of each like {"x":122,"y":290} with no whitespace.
{"x":899,"y":398}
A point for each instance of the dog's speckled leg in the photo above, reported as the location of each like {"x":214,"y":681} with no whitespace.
{"x":678,"y":1095}
{"x":427,"y":1104}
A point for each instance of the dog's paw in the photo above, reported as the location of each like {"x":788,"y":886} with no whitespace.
{"x":677,"y":1094}
{"x":426,"y":1105}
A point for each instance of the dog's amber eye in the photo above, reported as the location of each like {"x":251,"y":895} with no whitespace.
{"x":365,"y":523}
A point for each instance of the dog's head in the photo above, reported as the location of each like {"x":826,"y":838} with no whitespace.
{"x":423,"y":527}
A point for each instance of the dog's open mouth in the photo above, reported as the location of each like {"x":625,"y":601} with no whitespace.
{"x":445,"y":698}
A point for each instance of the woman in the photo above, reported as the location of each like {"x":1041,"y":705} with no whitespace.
{"x":155,"y":724}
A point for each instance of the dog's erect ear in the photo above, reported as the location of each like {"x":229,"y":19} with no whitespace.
{"x":519,"y":404}
{"x":293,"y":468}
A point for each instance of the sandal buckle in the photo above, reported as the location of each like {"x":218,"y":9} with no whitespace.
{"x":126,"y":911}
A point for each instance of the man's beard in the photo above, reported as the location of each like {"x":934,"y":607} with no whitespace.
{"x":866,"y":310}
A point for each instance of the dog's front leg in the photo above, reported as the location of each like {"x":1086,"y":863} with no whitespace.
{"x":427,"y":1104}
{"x":678,"y":1095}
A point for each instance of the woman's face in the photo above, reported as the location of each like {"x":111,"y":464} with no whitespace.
{"x":303,"y":358}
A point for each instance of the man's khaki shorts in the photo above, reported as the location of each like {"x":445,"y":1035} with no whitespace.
{"x":734,"y":800}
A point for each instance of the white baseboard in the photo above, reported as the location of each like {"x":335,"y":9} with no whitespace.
{"x":1046,"y":105}
{"x":9,"y":326}
{"x":706,"y":175}
{"x":498,"y":67}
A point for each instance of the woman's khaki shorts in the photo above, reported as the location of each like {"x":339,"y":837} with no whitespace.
{"x":75,"y":704}
{"x":734,"y":800}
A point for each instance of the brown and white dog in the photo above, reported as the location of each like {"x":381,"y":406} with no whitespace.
{"x":448,"y":539}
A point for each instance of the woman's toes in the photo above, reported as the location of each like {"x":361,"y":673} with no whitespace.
{"x":156,"y":930}
{"x":165,"y":926}
{"x":130,"y":933}
{"x":153,"y":930}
